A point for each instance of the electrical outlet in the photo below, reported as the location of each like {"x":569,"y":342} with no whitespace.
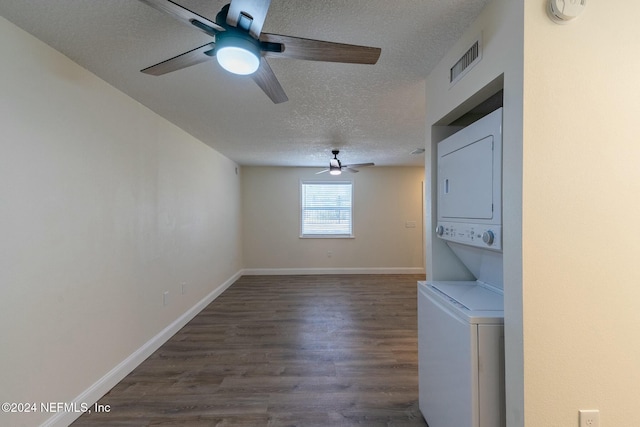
{"x":184,"y":288}
{"x":329,"y":254}
{"x":589,"y":418}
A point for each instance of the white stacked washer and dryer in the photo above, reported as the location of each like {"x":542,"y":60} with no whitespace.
{"x":460,"y":323}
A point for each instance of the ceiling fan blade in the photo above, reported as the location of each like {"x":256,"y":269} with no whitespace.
{"x":352,"y":170}
{"x":268,"y":82}
{"x":248,"y":14}
{"x":358,"y":165}
{"x":185,"y":15}
{"x":318,"y":50}
{"x":187,"y":59}
{"x":326,"y":170}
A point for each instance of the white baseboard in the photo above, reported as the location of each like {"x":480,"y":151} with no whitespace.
{"x":113,"y":377}
{"x":306,"y":271}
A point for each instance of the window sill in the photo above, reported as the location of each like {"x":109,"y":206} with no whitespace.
{"x":327,"y":236}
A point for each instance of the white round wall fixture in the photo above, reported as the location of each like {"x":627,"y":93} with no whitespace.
{"x":564,"y":11}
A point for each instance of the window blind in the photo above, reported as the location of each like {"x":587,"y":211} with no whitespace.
{"x":326,"y":209}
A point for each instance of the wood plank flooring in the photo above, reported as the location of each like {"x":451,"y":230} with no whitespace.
{"x":337,"y":350}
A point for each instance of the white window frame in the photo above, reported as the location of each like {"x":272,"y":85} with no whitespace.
{"x":302,"y":209}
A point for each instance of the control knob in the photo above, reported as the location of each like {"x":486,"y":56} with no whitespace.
{"x":439,"y":230}
{"x":488,"y":237}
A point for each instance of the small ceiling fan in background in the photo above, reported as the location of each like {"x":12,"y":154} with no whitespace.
{"x":336,"y":167}
{"x":241,"y":47}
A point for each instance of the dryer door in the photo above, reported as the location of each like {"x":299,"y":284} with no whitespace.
{"x":470,"y":173}
{"x":466,"y":182}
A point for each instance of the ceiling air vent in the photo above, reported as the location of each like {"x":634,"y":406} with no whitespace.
{"x":470,"y":58}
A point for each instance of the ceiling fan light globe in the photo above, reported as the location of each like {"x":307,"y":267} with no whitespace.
{"x":238,"y":54}
{"x":335,"y":170}
{"x":237,"y":60}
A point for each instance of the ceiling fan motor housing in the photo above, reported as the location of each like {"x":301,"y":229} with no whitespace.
{"x":335,"y":166}
{"x":221,"y":17}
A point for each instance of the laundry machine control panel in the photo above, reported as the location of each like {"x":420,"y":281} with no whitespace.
{"x":479,"y":235}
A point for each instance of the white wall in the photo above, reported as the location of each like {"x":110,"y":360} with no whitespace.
{"x":501,"y":29}
{"x":571,"y":186}
{"x":385,"y":198}
{"x":104,"y":206}
{"x":581,"y":193}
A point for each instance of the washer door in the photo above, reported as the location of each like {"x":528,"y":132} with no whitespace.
{"x":447,"y":363}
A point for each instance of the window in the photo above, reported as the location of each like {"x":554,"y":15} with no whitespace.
{"x":326,"y":209}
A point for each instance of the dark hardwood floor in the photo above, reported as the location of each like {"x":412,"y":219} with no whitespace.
{"x":283,"y":351}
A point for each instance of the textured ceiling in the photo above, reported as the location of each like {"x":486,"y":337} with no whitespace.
{"x":372,"y":113}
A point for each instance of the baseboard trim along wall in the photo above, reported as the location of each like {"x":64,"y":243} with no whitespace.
{"x":310,"y":271}
{"x":113,"y":377}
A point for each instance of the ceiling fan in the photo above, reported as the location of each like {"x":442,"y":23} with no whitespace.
{"x":241,"y":47}
{"x":336,"y":167}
